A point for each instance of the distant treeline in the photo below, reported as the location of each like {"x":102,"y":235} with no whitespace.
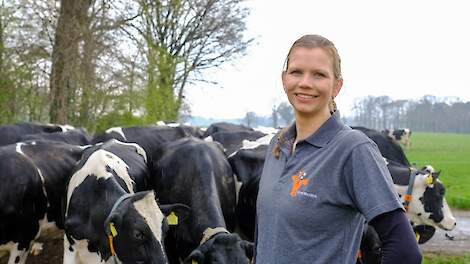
{"x":427,"y":114}
{"x":430,"y":113}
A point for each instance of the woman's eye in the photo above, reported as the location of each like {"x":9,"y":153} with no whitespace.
{"x":295,"y":72}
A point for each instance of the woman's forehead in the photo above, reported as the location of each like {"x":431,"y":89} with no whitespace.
{"x":302,"y":56}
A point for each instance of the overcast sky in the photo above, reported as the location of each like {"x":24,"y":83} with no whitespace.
{"x":403,"y":49}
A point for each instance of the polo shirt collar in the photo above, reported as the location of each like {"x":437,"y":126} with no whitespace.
{"x":327,"y":131}
{"x":321,"y":137}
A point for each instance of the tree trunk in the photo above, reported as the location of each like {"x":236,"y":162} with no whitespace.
{"x":63,"y":81}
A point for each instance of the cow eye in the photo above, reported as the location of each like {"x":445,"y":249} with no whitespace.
{"x":139,"y":235}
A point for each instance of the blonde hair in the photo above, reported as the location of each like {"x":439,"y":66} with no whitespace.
{"x":312,"y":41}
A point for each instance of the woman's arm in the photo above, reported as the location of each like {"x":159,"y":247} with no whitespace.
{"x":398,"y":242}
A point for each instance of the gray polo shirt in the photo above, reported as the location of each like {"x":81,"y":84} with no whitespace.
{"x":312,"y":205}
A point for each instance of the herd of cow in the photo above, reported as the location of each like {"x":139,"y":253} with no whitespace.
{"x":165,"y":193}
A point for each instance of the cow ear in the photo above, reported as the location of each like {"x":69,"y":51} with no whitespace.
{"x":435,"y":175}
{"x":196,"y":257}
{"x":248,"y":247}
{"x":112,"y":223}
{"x":430,"y":179}
{"x":180,"y":210}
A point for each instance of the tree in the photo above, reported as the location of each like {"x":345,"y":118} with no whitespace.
{"x":182,"y":39}
{"x":23,"y":60}
{"x":274,"y":117}
{"x":429,"y":113}
{"x":6,"y":83}
{"x":250,"y":119}
{"x":285,"y":111}
{"x":65,"y":56}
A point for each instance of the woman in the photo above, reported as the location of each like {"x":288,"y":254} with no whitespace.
{"x":321,"y":179}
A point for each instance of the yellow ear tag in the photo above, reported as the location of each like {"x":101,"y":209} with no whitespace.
{"x":429,"y":179}
{"x":193,"y":261}
{"x":113,"y":229}
{"x":172,"y":219}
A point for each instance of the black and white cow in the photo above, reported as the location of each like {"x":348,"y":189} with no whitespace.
{"x":427,"y":208}
{"x":233,"y":140}
{"x":388,"y":148}
{"x":74,"y":137}
{"x":10,"y":134}
{"x":247,"y":164}
{"x":195,"y":172}
{"x":428,"y":205}
{"x":399,"y":136}
{"x":105,"y":217}
{"x":225,"y":127}
{"x":190,"y":130}
{"x":33,"y":178}
{"x":148,"y":137}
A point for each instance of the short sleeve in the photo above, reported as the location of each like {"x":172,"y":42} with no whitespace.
{"x":369,"y":182}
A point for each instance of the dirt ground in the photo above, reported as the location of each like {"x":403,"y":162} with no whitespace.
{"x":51,"y":254}
{"x":439,"y":243}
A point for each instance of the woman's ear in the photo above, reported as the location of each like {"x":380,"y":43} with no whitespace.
{"x":337,"y":88}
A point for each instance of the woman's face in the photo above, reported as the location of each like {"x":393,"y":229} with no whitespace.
{"x":309,"y":81}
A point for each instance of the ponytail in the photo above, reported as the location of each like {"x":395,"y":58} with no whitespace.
{"x":280,"y":140}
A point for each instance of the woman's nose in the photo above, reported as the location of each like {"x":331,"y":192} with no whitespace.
{"x":305,"y":81}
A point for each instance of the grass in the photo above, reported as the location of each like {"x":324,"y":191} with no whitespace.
{"x":445,"y":259}
{"x":449,"y":153}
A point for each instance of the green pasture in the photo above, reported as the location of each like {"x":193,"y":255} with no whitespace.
{"x":444,"y":259}
{"x":449,"y":153}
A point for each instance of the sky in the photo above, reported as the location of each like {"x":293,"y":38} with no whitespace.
{"x":402,"y":49}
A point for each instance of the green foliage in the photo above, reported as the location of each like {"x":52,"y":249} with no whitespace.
{"x":114,"y":119}
{"x":449,"y":153}
{"x":161,"y":102}
{"x":444,"y":259}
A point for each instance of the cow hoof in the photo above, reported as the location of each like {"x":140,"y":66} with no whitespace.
{"x":36,"y":249}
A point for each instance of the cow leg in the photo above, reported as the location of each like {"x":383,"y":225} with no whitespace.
{"x":70,"y":253}
{"x":18,"y":256}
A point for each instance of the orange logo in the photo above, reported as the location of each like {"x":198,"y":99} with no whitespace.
{"x":297,"y":181}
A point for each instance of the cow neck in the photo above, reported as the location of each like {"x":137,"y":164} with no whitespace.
{"x":409,"y":191}
{"x":211,"y":232}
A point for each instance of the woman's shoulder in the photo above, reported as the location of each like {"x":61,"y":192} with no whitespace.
{"x":352,"y":137}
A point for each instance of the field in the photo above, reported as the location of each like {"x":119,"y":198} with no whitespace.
{"x":440,"y":259}
{"x":449,"y":153}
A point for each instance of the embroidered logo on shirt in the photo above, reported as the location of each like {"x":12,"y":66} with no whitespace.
{"x":297,"y":181}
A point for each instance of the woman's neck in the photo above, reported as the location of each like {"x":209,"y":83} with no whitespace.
{"x":307,"y":125}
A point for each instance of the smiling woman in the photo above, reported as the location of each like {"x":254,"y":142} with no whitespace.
{"x":311,"y":82}
{"x":324,"y":179}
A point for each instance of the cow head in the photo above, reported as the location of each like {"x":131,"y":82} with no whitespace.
{"x":222,"y":248}
{"x":398,"y":133}
{"x":137,"y":227}
{"x":428,"y":206}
